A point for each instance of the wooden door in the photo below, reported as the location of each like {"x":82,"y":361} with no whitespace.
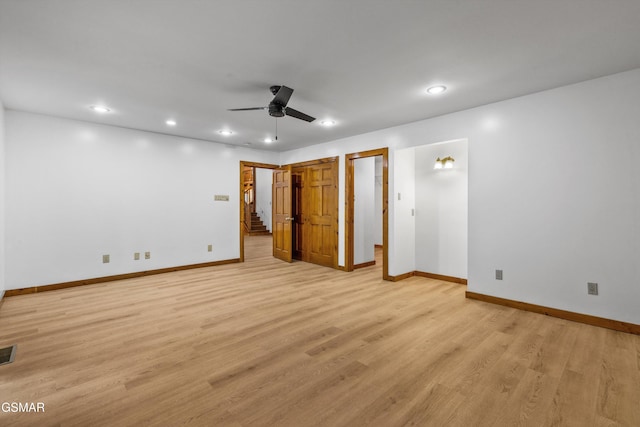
{"x":282,"y":214}
{"x":321,"y":238}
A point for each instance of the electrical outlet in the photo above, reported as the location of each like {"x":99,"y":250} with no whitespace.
{"x":592,"y":288}
{"x":210,"y":248}
{"x":105,"y":259}
{"x":147,"y":255}
{"x":498,"y":274}
{"x":136,"y":256}
{"x":399,"y":196}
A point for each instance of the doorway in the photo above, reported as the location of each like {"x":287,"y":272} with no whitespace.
{"x":249,"y":196}
{"x":304,"y":203}
{"x":350,"y":195}
{"x":315,"y":211}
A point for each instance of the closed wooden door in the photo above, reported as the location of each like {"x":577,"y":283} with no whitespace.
{"x":321,"y":218}
{"x":282,"y":214}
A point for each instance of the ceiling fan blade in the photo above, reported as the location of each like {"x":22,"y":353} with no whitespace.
{"x":298,"y":115}
{"x":283,"y":95}
{"x":247,"y":109}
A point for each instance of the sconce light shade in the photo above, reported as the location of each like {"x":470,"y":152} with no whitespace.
{"x":446,"y":163}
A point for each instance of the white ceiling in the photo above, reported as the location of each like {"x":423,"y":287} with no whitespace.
{"x":364,"y":63}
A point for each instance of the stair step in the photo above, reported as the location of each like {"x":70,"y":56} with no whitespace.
{"x":256,"y":225}
{"x":259,"y":233}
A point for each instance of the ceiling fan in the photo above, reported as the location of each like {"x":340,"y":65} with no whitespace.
{"x":278,"y":106}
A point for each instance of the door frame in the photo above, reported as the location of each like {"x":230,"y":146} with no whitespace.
{"x":241,"y":193}
{"x":349,"y":202}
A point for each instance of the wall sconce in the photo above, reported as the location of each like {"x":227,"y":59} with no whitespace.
{"x":446,"y":163}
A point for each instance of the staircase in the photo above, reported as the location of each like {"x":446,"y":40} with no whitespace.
{"x":256,"y":227}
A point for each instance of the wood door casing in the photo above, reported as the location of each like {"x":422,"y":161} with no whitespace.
{"x":282,"y":214}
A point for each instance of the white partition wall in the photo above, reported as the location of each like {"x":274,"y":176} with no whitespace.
{"x":364,"y":211}
{"x":77,"y":191}
{"x":377,"y":225}
{"x":441,"y":210}
{"x":263,"y":181}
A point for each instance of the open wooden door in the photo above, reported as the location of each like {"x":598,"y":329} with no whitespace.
{"x":282,"y":214}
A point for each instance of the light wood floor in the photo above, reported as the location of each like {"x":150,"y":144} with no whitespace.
{"x":266,"y":343}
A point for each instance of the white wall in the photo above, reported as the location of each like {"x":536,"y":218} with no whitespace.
{"x":403,"y":252}
{"x":363,"y":210}
{"x":263,"y":195}
{"x":554,"y":193}
{"x":377,"y":225}
{"x":76,"y":191}
{"x":441,"y":210}
{"x":2,"y":202}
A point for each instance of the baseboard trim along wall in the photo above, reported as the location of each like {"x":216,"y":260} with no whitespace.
{"x":441,"y":277}
{"x":401,"y":276}
{"x":364,"y":264}
{"x":53,"y":287}
{"x":429,"y":276}
{"x":616,"y":325}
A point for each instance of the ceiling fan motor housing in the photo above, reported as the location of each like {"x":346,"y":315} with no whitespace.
{"x":276,"y":110}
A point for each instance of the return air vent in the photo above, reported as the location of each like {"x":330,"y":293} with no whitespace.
{"x":7,"y":354}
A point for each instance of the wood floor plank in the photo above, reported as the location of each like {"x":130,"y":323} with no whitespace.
{"x":265,"y":343}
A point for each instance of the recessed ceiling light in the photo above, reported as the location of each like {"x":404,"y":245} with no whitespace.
{"x":328,"y":123}
{"x":268,"y":140}
{"x":171,"y":122}
{"x":100,"y":108}
{"x":435,"y":90}
{"x":225,"y":132}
